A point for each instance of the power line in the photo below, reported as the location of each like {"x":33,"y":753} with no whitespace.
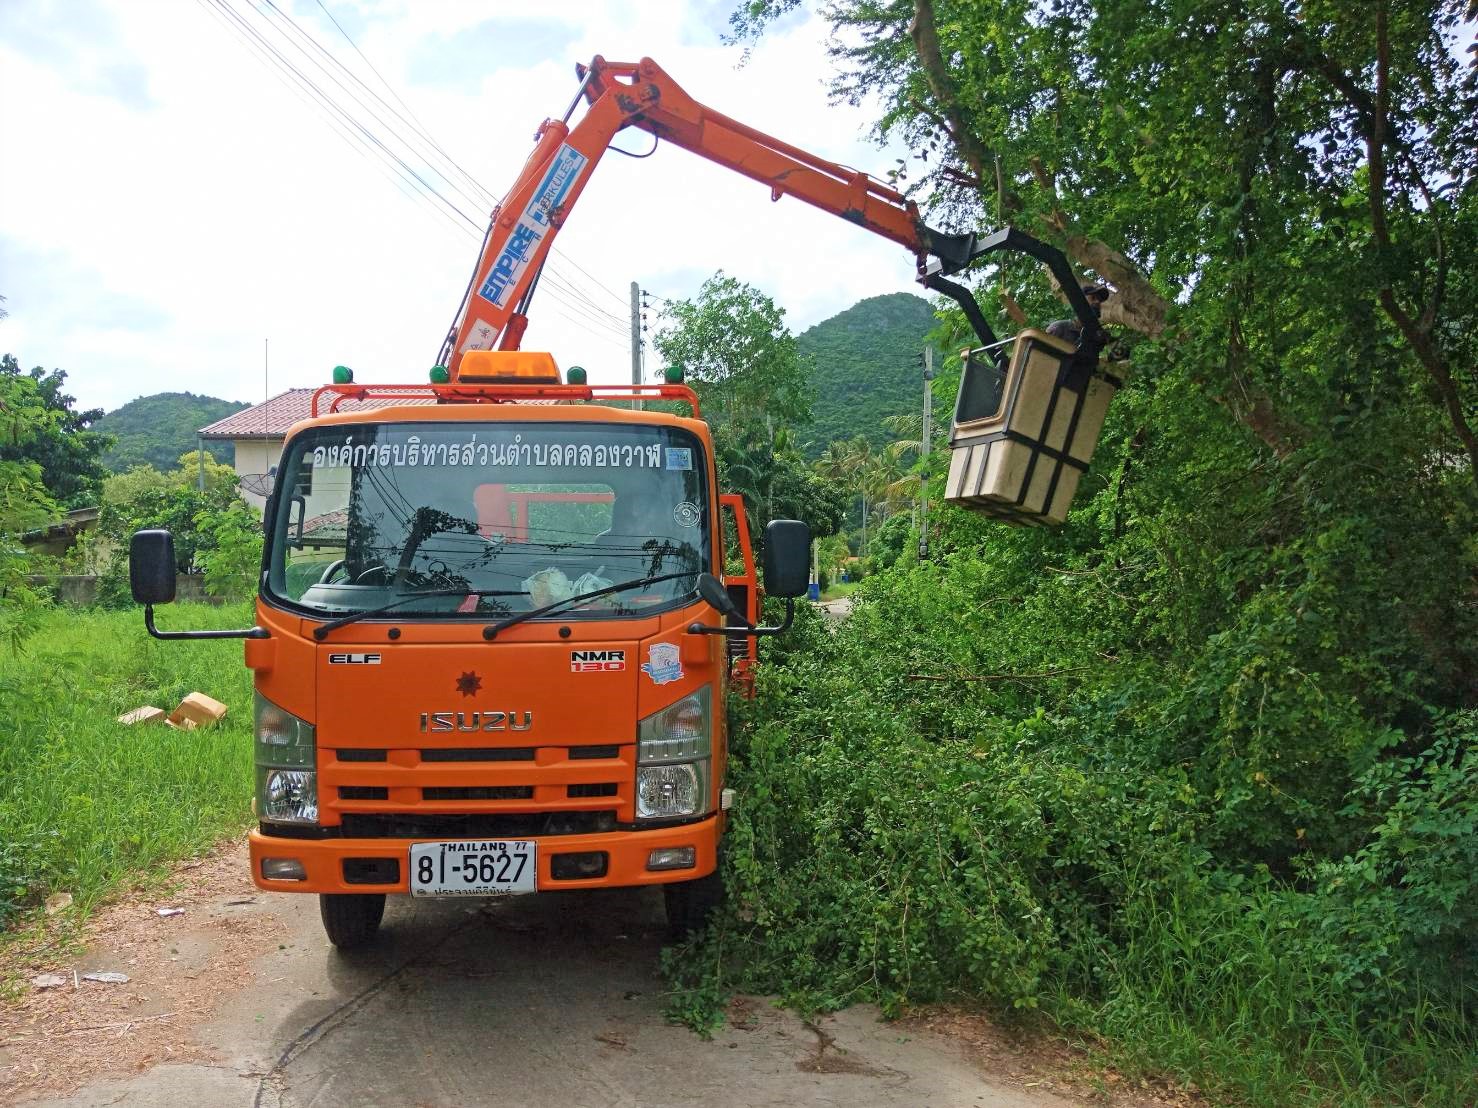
{"x":426,"y":134}
{"x":563,"y":288}
{"x":305,"y":90}
{"x":328,"y":102}
{"x":293,"y":26}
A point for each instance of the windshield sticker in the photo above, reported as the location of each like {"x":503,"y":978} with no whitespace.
{"x":472,"y":452}
{"x":679,"y":457}
{"x":687,"y":514}
{"x":532,"y":223}
{"x":663,"y":665}
{"x":597,"y":661}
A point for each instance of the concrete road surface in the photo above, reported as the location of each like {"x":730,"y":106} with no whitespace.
{"x":836,"y":610}
{"x":552,"y":999}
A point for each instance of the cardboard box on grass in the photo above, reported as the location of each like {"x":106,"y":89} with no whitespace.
{"x":196,"y":710}
{"x":147,"y":714}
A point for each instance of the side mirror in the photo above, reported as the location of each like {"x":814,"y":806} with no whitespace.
{"x":787,"y":558}
{"x":151,"y":576}
{"x":151,"y":567}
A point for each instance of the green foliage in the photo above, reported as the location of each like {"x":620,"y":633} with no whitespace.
{"x":753,"y":386}
{"x":738,"y":355}
{"x":218,"y":476}
{"x":86,"y":802}
{"x":1195,"y":771}
{"x":231,"y":550}
{"x":215,"y":532}
{"x":889,"y":542}
{"x":25,"y":502}
{"x":63,"y":444}
{"x":120,"y":488}
{"x":775,"y":481}
{"x":155,"y":430}
{"x":1015,"y":814}
{"x":866,"y":368}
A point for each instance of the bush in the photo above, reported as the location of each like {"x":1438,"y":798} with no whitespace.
{"x":1194,"y":772}
{"x":215,"y":532}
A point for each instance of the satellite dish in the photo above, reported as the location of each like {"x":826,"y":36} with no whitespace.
{"x":258,"y":484}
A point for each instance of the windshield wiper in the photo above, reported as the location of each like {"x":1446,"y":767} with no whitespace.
{"x":322,"y":630}
{"x":491,"y":631}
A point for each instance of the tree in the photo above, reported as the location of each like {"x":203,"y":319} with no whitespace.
{"x":215,"y":531}
{"x":753,"y":384}
{"x":738,"y":355}
{"x":771,"y":473}
{"x":1297,"y":176}
{"x":24,"y":500}
{"x":67,"y":452}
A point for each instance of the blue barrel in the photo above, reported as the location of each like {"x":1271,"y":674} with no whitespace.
{"x":813,"y":591}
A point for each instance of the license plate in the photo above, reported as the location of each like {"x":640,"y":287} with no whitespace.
{"x":493,"y":868}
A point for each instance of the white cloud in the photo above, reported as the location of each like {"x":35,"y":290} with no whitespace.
{"x":168,"y":203}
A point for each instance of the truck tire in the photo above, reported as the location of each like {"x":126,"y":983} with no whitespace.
{"x":690,"y":903}
{"x":351,"y":919}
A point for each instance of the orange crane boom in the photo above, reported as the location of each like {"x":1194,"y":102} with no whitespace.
{"x":493,"y":314}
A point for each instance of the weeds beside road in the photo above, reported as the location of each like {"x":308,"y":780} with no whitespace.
{"x":86,"y":802}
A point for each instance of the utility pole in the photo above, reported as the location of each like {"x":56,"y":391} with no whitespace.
{"x":635,"y":340}
{"x":924,"y":444}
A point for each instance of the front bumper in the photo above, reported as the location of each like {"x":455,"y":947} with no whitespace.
{"x":323,"y":859}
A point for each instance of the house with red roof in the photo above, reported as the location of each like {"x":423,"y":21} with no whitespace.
{"x":256,"y":434}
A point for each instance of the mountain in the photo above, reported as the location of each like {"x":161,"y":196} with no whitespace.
{"x":156,"y":430}
{"x":866,"y":368}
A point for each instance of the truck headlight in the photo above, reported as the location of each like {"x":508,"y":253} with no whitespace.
{"x":287,"y":795}
{"x":285,"y":751}
{"x":674,"y":758}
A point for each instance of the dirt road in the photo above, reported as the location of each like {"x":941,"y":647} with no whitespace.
{"x":546,"y":1000}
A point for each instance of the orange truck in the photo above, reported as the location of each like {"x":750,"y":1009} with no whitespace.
{"x":499,"y":613}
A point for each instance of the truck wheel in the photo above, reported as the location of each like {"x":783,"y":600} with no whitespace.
{"x":351,"y":919}
{"x":690,"y":903}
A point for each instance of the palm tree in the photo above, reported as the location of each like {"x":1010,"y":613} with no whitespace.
{"x":849,"y":462}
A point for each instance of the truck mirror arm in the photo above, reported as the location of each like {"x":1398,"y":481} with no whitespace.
{"x":242,"y":633}
{"x":740,"y":632}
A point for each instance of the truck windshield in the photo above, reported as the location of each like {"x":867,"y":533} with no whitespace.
{"x":488,"y":519}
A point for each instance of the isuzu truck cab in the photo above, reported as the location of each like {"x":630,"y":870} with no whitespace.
{"x":494,"y":638}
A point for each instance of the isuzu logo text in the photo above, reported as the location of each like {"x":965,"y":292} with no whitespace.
{"x":437,"y":723}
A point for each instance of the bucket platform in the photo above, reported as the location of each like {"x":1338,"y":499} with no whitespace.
{"x":1025,"y":429}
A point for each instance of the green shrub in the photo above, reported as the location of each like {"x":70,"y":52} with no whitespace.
{"x":1194,"y":772}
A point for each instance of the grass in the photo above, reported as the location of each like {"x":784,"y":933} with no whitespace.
{"x":1219,"y":996}
{"x":86,"y":803}
{"x":838,"y":589}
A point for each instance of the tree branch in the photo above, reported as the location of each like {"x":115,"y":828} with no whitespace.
{"x":1418,"y":333}
{"x":936,"y":76}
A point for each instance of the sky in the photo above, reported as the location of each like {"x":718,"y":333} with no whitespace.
{"x":169,"y":202}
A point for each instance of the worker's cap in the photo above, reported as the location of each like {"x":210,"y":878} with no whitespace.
{"x":1096,"y":292}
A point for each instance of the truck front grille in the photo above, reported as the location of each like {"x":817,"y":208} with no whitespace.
{"x":483,"y":825}
{"x":481,"y":754}
{"x":533,"y":787}
{"x":480,"y":792}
